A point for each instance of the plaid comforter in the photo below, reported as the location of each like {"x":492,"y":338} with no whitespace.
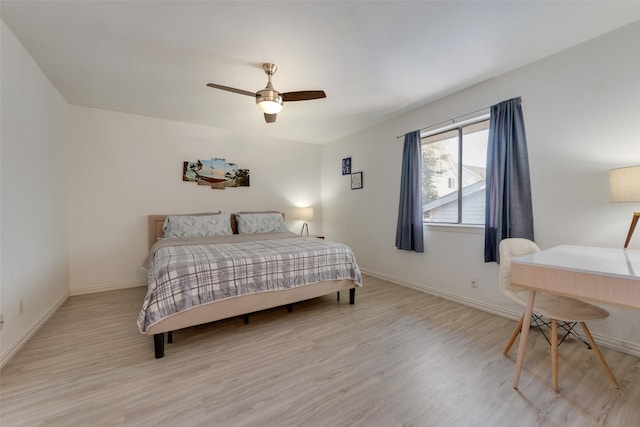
{"x":184,"y":275}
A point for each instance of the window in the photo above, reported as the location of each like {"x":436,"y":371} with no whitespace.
{"x":453,"y":173}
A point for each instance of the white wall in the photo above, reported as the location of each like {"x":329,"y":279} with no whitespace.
{"x":582,"y":111}
{"x":124,"y":167}
{"x":34,"y":251}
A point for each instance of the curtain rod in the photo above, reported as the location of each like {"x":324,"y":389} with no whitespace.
{"x":451,"y":120}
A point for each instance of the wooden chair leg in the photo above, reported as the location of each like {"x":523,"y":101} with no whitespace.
{"x":554,"y":355}
{"x":516,"y":331}
{"x":599,"y":355}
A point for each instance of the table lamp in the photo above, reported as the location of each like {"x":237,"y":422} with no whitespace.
{"x":305,"y":214}
{"x":624,"y":186}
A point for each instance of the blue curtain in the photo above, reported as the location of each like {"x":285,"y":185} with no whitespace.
{"x":508,"y":210}
{"x":409,"y":234}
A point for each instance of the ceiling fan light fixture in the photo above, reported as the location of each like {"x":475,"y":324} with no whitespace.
{"x":269,"y":102}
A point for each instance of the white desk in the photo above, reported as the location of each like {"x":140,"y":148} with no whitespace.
{"x":610,"y":276}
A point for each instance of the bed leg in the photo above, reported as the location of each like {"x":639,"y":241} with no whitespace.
{"x":289,"y":308}
{"x":352,"y":296}
{"x":338,"y":295}
{"x":246,"y":319}
{"x":158,"y":344}
{"x":170,"y":337}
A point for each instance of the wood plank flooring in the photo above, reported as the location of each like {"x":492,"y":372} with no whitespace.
{"x":398,"y":357}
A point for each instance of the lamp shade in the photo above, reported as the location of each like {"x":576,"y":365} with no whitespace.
{"x":305,"y":214}
{"x":269,"y":101}
{"x":624,"y":184}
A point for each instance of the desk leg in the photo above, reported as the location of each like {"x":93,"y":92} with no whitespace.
{"x":524,"y":334}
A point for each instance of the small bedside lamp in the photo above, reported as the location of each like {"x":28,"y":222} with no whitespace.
{"x":305,"y":214}
{"x":624,"y":186}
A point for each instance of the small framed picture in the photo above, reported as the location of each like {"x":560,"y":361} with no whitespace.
{"x":346,"y":166}
{"x":356,"y":180}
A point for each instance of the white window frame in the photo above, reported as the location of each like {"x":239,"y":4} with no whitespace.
{"x":441,"y":129}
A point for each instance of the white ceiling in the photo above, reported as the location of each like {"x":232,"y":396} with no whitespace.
{"x":373,"y":59}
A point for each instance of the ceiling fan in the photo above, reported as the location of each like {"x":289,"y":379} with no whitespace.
{"x":270,"y":100}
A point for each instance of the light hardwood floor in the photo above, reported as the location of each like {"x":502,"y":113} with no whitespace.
{"x":398,"y":357}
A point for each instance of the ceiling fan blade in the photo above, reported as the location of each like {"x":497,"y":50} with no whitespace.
{"x":232,"y":89}
{"x":303,"y":95}
{"x":270,"y":118}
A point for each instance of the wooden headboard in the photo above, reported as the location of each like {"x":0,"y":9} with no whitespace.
{"x":156,"y":222}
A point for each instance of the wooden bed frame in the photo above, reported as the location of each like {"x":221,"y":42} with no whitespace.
{"x":236,"y":306}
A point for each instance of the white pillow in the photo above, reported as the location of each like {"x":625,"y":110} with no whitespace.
{"x":197,"y":225}
{"x":260,"y":223}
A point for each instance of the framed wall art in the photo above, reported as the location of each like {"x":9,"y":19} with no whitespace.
{"x":346,"y":166}
{"x":216,"y":173}
{"x":356,"y":180}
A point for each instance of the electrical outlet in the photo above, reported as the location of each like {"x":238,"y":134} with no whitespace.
{"x":474,"y":282}
{"x":20,"y":306}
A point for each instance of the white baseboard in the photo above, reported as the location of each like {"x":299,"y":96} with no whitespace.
{"x":106,"y":288}
{"x":604,"y":340}
{"x":13,"y":349}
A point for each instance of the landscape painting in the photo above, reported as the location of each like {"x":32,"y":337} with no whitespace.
{"x":216,"y":173}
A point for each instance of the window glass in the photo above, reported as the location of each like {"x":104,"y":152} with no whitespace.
{"x":453,"y":174}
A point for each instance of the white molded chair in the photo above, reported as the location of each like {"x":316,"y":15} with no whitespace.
{"x":555,"y":307}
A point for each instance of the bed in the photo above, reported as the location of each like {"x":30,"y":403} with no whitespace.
{"x":248,"y":263}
